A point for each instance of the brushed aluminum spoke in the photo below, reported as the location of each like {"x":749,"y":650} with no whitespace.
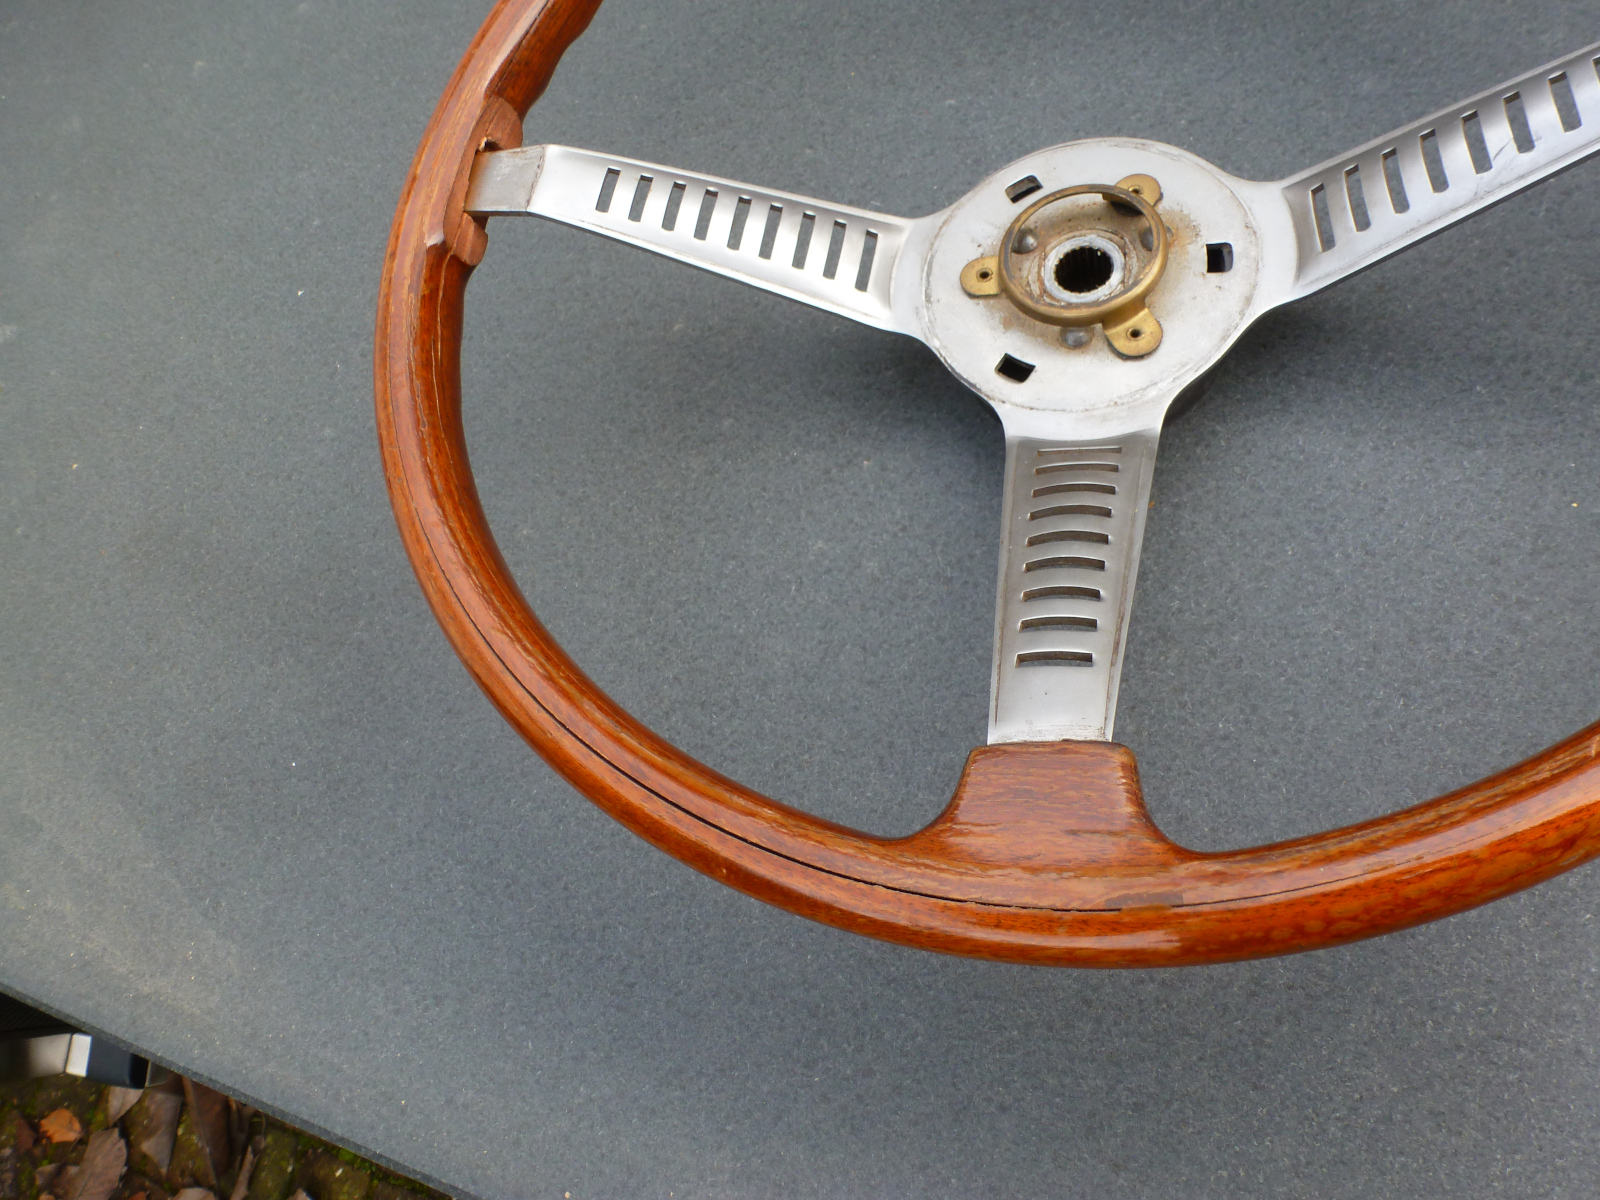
{"x":827,"y":255}
{"x":1386,"y":195}
{"x":1074,"y":518}
{"x":1083,"y":415}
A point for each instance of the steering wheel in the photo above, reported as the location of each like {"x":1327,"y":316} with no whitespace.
{"x":1079,"y":291}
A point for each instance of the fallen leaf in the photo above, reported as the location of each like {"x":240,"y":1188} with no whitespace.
{"x":328,"y":1177}
{"x":61,"y":1126}
{"x":119,"y":1100}
{"x":241,"y":1188}
{"x":24,"y":1136}
{"x":152,"y":1126}
{"x":191,"y":1165}
{"x":208,"y":1111}
{"x":195,"y":1194}
{"x":241,"y":1119}
{"x":274,"y":1172}
{"x":101,"y":1170}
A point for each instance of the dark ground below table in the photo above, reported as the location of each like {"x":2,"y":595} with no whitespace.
{"x":214,"y":1149}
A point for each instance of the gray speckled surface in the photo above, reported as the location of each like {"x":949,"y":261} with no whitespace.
{"x":255,"y":818}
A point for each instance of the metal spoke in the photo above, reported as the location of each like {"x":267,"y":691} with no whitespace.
{"x":827,"y":255}
{"x":1082,"y":409}
{"x":1074,"y":519}
{"x":1407,"y":185}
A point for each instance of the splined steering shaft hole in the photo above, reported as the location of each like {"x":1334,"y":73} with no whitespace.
{"x":1083,"y":269}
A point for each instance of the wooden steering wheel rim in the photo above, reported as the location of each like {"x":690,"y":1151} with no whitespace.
{"x":1045,"y":855}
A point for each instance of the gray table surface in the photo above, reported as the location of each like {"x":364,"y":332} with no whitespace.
{"x":256,"y":819}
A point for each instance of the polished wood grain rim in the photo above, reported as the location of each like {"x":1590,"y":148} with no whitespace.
{"x":1045,"y":855}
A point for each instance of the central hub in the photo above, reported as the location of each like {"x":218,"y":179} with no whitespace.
{"x":1096,"y":249}
{"x":1083,"y":256}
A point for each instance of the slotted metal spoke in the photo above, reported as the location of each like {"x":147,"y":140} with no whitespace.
{"x":830,"y":256}
{"x":1074,"y":519}
{"x":1407,"y":185}
{"x":1082,"y":402}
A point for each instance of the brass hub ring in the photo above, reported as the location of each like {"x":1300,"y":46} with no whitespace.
{"x":1125,"y":301}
